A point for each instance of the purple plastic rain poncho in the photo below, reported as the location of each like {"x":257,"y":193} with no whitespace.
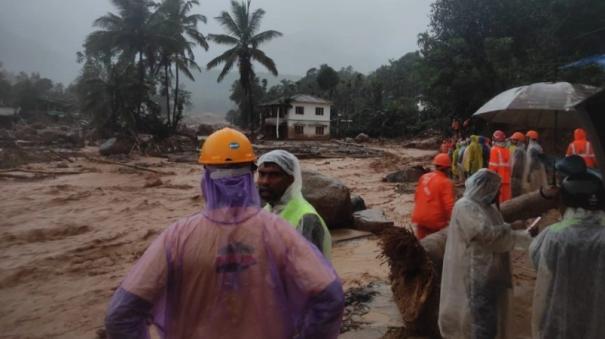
{"x":231,"y":271}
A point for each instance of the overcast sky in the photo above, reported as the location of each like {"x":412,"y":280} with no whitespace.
{"x":44,"y":35}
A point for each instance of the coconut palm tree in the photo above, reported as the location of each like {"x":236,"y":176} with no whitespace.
{"x":179,"y":36}
{"x":126,"y":35}
{"x":242,"y":34}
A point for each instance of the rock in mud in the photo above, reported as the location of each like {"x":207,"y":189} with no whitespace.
{"x":372,"y":220}
{"x":409,"y":174}
{"x":330,"y":197}
{"x":362,"y":137}
{"x":115,"y":146}
{"x":358,"y":203}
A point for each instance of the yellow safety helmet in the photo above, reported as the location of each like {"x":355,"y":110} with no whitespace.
{"x":226,"y":146}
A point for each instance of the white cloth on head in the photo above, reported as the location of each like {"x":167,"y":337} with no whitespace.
{"x":310,"y":224}
{"x":289,"y":164}
{"x":477,"y":279}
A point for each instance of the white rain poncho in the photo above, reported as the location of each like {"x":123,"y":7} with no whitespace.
{"x":310,"y":225}
{"x":518,"y":167}
{"x":534,"y":175}
{"x":477,"y":280}
{"x":569,"y":258}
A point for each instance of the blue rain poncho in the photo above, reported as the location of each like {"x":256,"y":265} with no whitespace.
{"x":230,"y":271}
{"x":477,"y":280}
{"x":569,"y":258}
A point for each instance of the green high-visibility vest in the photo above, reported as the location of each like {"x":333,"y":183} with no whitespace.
{"x":293,"y":213}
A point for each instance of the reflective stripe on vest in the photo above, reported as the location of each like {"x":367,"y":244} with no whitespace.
{"x":426,"y":179}
{"x":500,"y":162}
{"x":587,"y":151}
{"x":293,"y":213}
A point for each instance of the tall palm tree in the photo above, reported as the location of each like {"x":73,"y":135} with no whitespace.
{"x":242,"y":33}
{"x":126,"y":35}
{"x":179,"y":36}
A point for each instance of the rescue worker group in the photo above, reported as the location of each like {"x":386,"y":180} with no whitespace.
{"x":239,"y":269}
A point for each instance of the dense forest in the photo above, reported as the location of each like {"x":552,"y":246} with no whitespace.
{"x":133,"y":65}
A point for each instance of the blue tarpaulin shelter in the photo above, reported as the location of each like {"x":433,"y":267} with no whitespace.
{"x":598,"y":60}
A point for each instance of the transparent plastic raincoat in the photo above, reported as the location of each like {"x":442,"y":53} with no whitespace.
{"x":230,"y":271}
{"x":518,"y":157}
{"x":570,"y":260}
{"x":476,"y":279}
{"x":534,"y":175}
{"x":293,"y":207}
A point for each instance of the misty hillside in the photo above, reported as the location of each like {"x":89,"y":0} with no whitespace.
{"x":210,"y":96}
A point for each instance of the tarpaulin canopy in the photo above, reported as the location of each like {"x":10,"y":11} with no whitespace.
{"x":598,"y":60}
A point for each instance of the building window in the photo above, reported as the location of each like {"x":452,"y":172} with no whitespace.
{"x":319,"y":130}
{"x":299,"y":129}
{"x":319,"y":111}
{"x":300,"y":110}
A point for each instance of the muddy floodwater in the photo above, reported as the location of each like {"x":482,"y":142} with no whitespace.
{"x":67,"y":240}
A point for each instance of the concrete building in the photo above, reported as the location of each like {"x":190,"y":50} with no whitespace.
{"x":299,"y":116}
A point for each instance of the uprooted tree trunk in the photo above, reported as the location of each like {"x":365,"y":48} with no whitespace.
{"x":416,"y":265}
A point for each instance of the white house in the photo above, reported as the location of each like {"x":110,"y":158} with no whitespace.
{"x":299,"y":116}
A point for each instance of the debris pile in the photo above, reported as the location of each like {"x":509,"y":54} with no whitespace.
{"x":413,"y":282}
{"x":408,"y":174}
{"x":357,"y":301}
{"x":313,"y":149}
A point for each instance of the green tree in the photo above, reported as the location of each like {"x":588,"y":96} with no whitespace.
{"x":129,"y":37}
{"x":327,"y":79}
{"x":180,"y":35}
{"x":5,"y":87}
{"x":475,"y":49}
{"x":242,"y":28}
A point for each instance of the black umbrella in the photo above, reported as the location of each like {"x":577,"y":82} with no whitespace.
{"x":539,"y":105}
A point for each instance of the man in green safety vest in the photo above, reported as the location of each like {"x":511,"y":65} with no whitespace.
{"x":280,"y":186}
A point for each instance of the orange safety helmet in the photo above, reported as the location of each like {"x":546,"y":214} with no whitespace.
{"x":518,"y":136}
{"x":226,"y":146}
{"x":499,"y":136}
{"x":443,"y":160}
{"x":532,"y":134}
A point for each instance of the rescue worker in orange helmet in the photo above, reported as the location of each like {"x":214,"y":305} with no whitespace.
{"x":532,"y":135}
{"x":517,"y":163}
{"x":232,"y":270}
{"x":534,"y":174}
{"x":515,"y":140}
{"x":434,"y":198}
{"x":582,"y":147}
{"x":499,"y":162}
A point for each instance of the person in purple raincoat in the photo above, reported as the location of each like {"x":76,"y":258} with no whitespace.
{"x":231,"y":271}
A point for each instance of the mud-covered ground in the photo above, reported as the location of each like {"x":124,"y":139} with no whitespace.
{"x":67,"y":239}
